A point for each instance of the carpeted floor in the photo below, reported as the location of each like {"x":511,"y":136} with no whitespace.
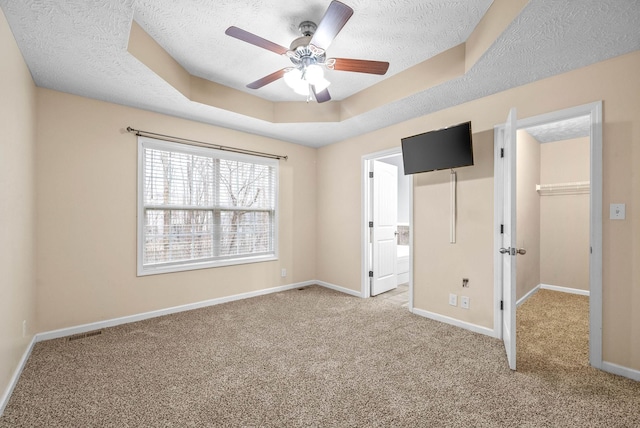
{"x":553,"y":332}
{"x":310,"y":357}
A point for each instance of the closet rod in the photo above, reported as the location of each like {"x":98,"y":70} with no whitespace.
{"x":164,"y":137}
{"x":573,"y":188}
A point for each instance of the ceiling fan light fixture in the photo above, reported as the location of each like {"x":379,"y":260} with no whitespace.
{"x":293,"y":77}
{"x":313,"y":74}
{"x":302,"y":88}
{"x":321,"y":85}
{"x":299,"y":80}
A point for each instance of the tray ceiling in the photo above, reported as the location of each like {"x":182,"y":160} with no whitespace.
{"x":80,"y":47}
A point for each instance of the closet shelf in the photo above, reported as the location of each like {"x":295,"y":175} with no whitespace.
{"x":574,"y":188}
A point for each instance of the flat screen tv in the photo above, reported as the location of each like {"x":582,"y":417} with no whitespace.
{"x":440,"y":149}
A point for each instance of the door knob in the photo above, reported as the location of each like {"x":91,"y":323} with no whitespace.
{"x":522,"y":251}
{"x":505,"y":250}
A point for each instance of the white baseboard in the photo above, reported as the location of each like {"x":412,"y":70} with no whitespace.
{"x":564,"y":289}
{"x":4,"y":400}
{"x":63,"y":332}
{"x":529,"y":294}
{"x":552,"y":288}
{"x":338,"y":288}
{"x":621,"y":370}
{"x":452,"y":321}
{"x":431,"y":315}
{"x":403,"y":278}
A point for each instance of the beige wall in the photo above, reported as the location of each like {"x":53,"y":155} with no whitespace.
{"x":86,"y":223}
{"x":553,"y":229}
{"x":339,"y":194}
{"x":439,"y":266}
{"x":564,"y":237}
{"x":527,"y":213}
{"x":17,"y":209}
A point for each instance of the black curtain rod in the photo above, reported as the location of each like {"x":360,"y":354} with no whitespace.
{"x":141,"y":133}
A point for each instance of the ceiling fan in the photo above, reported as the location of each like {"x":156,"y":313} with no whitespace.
{"x":308,"y":55}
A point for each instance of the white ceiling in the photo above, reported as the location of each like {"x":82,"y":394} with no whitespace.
{"x":562,"y":130}
{"x":80,"y":47}
{"x":381,"y":31}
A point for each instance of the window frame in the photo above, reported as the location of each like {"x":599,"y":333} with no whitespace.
{"x":180,"y":266}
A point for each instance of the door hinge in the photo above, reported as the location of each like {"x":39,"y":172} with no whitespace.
{"x":501,"y":153}
{"x":370,"y":174}
{"x":502,"y":228}
{"x":370,"y":274}
{"x":370,"y":224}
{"x":501,"y":305}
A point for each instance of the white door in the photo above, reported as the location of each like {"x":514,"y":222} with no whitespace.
{"x":508,"y":249}
{"x":385,"y":223}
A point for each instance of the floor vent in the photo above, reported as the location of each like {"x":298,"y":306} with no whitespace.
{"x":84,"y":335}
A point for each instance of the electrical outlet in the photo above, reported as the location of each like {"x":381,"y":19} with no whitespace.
{"x":464,"y":302}
{"x":24,"y":328}
{"x":453,"y":299}
{"x":283,"y":273}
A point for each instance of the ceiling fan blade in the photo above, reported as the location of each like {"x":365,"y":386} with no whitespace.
{"x":248,"y":37}
{"x":267,"y":79}
{"x":332,"y":22}
{"x":321,"y":96}
{"x":360,"y":65}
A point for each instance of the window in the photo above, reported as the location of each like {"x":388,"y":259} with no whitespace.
{"x":200,"y":207}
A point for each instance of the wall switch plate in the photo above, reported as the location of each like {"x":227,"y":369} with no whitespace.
{"x":617,"y":211}
{"x":453,"y":299}
{"x":464,"y":302}
{"x":283,"y":273}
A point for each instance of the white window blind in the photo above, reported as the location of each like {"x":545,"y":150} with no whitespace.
{"x":201,"y":207}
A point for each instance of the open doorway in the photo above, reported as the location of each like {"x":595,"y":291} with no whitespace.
{"x":386,"y":228}
{"x":552,"y":211}
{"x":505,"y":236}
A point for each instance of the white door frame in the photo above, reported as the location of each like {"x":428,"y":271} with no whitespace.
{"x":594,"y":110}
{"x":364,"y":236}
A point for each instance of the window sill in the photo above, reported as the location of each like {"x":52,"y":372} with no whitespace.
{"x":171,"y":268}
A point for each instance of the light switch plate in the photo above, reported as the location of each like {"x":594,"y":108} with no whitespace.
{"x":453,"y":299}
{"x":617,"y":212}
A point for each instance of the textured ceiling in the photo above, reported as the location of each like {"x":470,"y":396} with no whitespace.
{"x":561,"y":130}
{"x":402,"y":33}
{"x":80,"y":47}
